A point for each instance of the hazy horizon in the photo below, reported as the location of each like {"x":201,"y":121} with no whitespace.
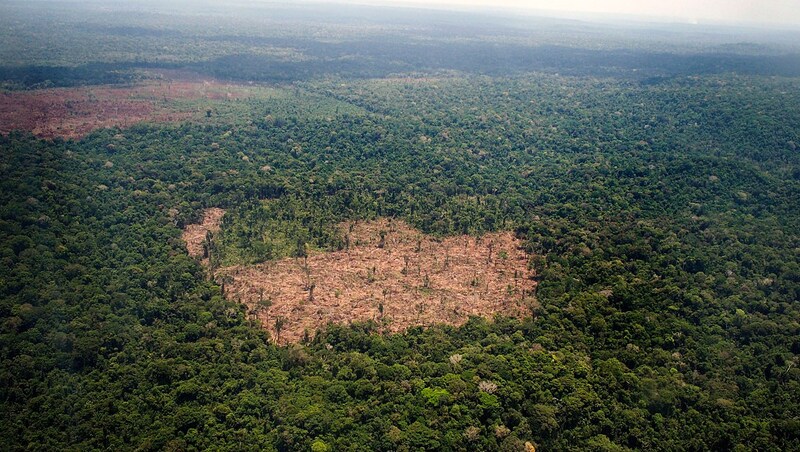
{"x":769,"y":14}
{"x":730,"y":12}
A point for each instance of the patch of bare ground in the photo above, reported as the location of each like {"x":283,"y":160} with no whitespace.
{"x":410,"y":80}
{"x":195,"y":234}
{"x":74,"y":112}
{"x":389,"y":273}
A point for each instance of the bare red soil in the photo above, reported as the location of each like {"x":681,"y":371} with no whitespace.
{"x":405,"y":279}
{"x":74,"y":112}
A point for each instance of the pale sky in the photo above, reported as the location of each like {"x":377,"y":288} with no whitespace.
{"x":785,"y":12}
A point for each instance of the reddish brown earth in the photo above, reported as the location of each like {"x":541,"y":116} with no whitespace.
{"x":414,"y":279}
{"x":74,"y":112}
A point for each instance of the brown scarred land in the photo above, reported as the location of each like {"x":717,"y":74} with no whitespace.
{"x":74,"y":112}
{"x":390,"y":273}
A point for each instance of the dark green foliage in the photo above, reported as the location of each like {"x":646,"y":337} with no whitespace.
{"x":662,"y":218}
{"x":666,"y":313}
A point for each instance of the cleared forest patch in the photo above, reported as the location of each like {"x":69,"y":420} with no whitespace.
{"x":389,"y":273}
{"x":195,"y":234}
{"x":74,"y":112}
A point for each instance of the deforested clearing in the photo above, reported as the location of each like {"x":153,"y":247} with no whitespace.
{"x":389,"y":273}
{"x":195,"y":234}
{"x":75,"y":112}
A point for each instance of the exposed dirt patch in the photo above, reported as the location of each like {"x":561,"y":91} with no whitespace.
{"x":410,"y":80}
{"x":74,"y":112}
{"x":195,"y":234}
{"x":401,"y":280}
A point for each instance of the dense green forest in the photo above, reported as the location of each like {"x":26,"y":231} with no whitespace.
{"x":660,"y":210}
